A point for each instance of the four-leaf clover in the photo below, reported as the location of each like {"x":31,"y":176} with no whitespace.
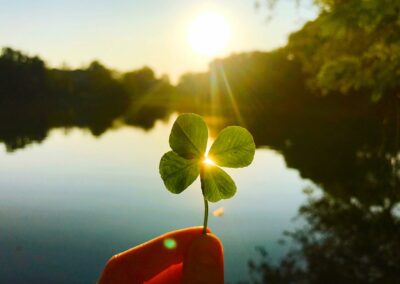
{"x":233,"y":148}
{"x":179,"y":168}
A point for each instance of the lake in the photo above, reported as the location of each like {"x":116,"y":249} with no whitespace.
{"x":71,"y":202}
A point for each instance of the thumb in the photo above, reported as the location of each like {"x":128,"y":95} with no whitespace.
{"x":204,"y":261}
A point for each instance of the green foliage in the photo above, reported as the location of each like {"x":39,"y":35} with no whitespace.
{"x":352,"y":46}
{"x":177,"y":172}
{"x":340,"y":75}
{"x":217,"y":184}
{"x":189,"y":136}
{"x":234,"y":147}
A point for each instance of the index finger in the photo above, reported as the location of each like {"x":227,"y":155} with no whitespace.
{"x":147,"y":260}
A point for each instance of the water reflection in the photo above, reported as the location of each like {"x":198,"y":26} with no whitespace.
{"x":344,"y":241}
{"x":35,"y":99}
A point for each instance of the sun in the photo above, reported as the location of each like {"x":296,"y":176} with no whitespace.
{"x":209,"y":34}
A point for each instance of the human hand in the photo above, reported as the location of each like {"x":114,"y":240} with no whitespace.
{"x":183,"y":256}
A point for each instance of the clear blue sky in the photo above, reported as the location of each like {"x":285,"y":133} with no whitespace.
{"x":128,"y":34}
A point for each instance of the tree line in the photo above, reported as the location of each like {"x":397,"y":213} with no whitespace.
{"x":35,"y":98}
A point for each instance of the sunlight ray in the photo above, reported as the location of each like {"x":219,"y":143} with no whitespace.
{"x":231,"y":96}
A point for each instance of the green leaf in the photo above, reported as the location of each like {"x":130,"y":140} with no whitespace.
{"x":216,"y":183}
{"x":177,"y":172}
{"x":189,"y":136}
{"x":233,"y":148}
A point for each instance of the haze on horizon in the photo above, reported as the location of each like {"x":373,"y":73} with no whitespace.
{"x":127,"y":35}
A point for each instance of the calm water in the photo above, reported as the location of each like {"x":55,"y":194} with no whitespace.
{"x":70,"y":203}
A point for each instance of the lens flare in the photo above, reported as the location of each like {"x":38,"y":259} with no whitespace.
{"x":208,"y":161}
{"x":219,"y":212}
{"x":169,"y":243}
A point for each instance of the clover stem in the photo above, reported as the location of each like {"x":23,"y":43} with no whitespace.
{"x":205,"y":201}
{"x":205,"y":215}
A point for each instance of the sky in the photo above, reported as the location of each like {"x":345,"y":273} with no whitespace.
{"x":129,"y":34}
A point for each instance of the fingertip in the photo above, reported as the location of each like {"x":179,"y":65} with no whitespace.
{"x":214,"y":241}
{"x":204,"y":261}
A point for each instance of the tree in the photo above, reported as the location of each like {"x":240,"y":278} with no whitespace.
{"x":352,"y":46}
